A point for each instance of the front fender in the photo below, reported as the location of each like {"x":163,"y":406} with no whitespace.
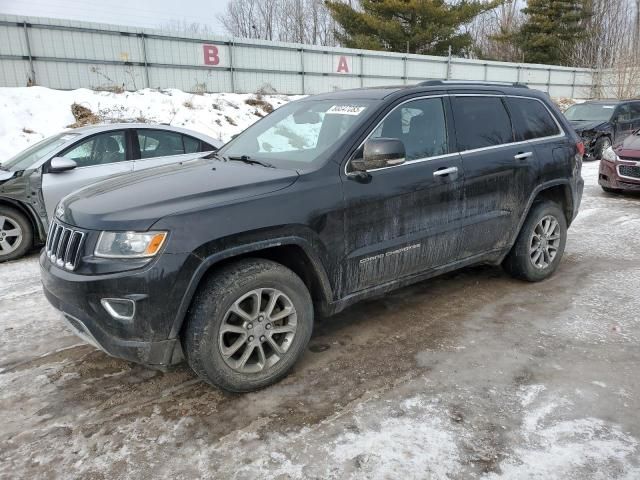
{"x":210,"y":261}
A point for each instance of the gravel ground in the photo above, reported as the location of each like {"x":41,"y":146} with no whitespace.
{"x":471,"y":375}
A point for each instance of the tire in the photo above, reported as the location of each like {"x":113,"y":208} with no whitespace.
{"x":611,"y":190}
{"x":210,"y":320}
{"x":521,"y":261}
{"x":601,"y":145}
{"x":16,"y":234}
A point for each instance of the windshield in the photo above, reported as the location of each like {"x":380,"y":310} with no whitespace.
{"x":592,"y":112}
{"x":28,"y":157}
{"x":297,"y":134}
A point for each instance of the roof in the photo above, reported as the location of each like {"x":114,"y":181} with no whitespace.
{"x":105,"y":127}
{"x":379,"y":93}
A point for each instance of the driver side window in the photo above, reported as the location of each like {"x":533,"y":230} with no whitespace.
{"x":100,"y":149}
{"x":420,"y":125}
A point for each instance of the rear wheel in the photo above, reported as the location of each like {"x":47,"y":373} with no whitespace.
{"x":540,"y":244}
{"x":248,"y":325}
{"x":16,"y":234}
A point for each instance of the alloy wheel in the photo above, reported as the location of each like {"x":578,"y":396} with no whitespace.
{"x":545,"y":242}
{"x":10,"y":235}
{"x":257,"y":330}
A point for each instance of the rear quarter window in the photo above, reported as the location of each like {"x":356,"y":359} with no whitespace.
{"x":531,"y":119}
{"x":481,"y":122}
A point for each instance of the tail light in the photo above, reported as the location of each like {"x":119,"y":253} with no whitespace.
{"x":580,"y":147}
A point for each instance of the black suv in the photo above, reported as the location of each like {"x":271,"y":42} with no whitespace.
{"x":226,"y":259}
{"x":603,"y":123}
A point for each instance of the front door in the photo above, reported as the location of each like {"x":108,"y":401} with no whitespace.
{"x":98,"y":157}
{"x":404,"y":220}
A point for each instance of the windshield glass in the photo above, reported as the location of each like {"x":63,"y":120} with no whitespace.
{"x":592,"y":112}
{"x":28,"y":157}
{"x":296,"y":134}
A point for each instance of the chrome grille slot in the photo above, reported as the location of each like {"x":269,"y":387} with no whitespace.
{"x":64,"y":245}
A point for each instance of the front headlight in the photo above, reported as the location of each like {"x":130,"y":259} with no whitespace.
{"x":129,"y":244}
{"x":609,"y":155}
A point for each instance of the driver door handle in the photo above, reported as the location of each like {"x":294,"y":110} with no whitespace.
{"x":523,"y":155}
{"x":445,"y":171}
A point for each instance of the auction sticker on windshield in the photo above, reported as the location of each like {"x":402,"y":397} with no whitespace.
{"x":347,"y":109}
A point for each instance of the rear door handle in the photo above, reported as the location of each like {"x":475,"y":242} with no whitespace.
{"x":523,"y":155}
{"x":445,"y":171}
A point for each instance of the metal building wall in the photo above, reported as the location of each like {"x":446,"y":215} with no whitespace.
{"x":68,"y":54}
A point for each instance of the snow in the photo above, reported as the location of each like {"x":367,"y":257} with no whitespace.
{"x":31,"y":114}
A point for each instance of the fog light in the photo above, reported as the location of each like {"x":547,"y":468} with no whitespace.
{"x":119,"y":308}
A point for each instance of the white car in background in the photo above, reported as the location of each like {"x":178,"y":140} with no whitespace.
{"x":35,"y":180}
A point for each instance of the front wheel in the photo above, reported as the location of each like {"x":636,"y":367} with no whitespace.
{"x":540,"y":244}
{"x":248,"y":325}
{"x":16,"y":234}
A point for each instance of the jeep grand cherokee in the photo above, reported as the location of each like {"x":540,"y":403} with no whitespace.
{"x":226,"y":259}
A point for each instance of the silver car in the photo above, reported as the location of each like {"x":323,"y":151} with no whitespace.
{"x":34,"y":181}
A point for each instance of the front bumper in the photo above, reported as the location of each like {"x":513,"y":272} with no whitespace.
{"x":157,"y":291}
{"x":608,"y":177}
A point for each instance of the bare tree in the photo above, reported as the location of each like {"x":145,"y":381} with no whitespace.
{"x":493,"y":31}
{"x":300,"y":21}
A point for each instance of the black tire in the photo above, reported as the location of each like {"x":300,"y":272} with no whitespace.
{"x":14,"y":247}
{"x":611,"y":190}
{"x":200,"y":339}
{"x":519,"y":262}
{"x":601,"y":144}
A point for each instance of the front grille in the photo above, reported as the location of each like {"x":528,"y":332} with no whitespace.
{"x":629,"y":171}
{"x":64,"y":245}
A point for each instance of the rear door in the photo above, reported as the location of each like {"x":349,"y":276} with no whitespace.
{"x":160,"y":147}
{"x":404,"y":220}
{"x":98,"y":157}
{"x":500,"y":174}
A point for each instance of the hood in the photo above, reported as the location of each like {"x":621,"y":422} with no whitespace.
{"x":135,"y":201}
{"x":6,"y":175}
{"x":584,"y":125}
{"x":630,"y":148}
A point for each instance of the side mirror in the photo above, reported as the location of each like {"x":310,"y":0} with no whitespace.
{"x":380,"y":153}
{"x":61,"y":164}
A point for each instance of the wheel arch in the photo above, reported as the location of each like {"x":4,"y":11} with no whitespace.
{"x":292,"y":252}
{"x":39,"y":230}
{"x":558,"y":191}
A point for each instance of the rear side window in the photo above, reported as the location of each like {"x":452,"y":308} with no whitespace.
{"x":191,"y":145}
{"x":481,"y":122}
{"x":159,"y":143}
{"x":531,"y":119}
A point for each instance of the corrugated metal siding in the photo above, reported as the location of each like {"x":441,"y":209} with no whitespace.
{"x":69,"y":54}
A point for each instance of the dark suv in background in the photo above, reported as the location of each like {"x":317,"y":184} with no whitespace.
{"x":604,"y":123}
{"x":327,"y":201}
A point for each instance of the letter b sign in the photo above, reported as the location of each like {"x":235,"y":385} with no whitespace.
{"x":211,"y":55}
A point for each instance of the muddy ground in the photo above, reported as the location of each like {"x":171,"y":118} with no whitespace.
{"x":472,"y":375}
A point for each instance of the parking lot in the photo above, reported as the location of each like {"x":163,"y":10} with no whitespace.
{"x":470,"y":374}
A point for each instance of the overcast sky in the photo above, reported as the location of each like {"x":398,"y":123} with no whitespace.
{"x":143,"y":13}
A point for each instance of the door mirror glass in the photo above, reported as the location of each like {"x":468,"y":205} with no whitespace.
{"x":380,"y":153}
{"x":61,"y":164}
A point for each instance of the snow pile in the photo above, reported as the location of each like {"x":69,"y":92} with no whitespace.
{"x":31,"y":114}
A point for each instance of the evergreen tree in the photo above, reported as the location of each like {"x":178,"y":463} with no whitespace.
{"x":417,"y":26}
{"x":551,"y":30}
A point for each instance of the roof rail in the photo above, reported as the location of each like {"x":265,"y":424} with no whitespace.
{"x":428,"y":83}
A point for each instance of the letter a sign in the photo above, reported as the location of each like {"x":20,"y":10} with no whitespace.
{"x":343,"y":66}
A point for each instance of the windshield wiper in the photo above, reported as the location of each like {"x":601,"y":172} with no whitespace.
{"x":251,"y":161}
